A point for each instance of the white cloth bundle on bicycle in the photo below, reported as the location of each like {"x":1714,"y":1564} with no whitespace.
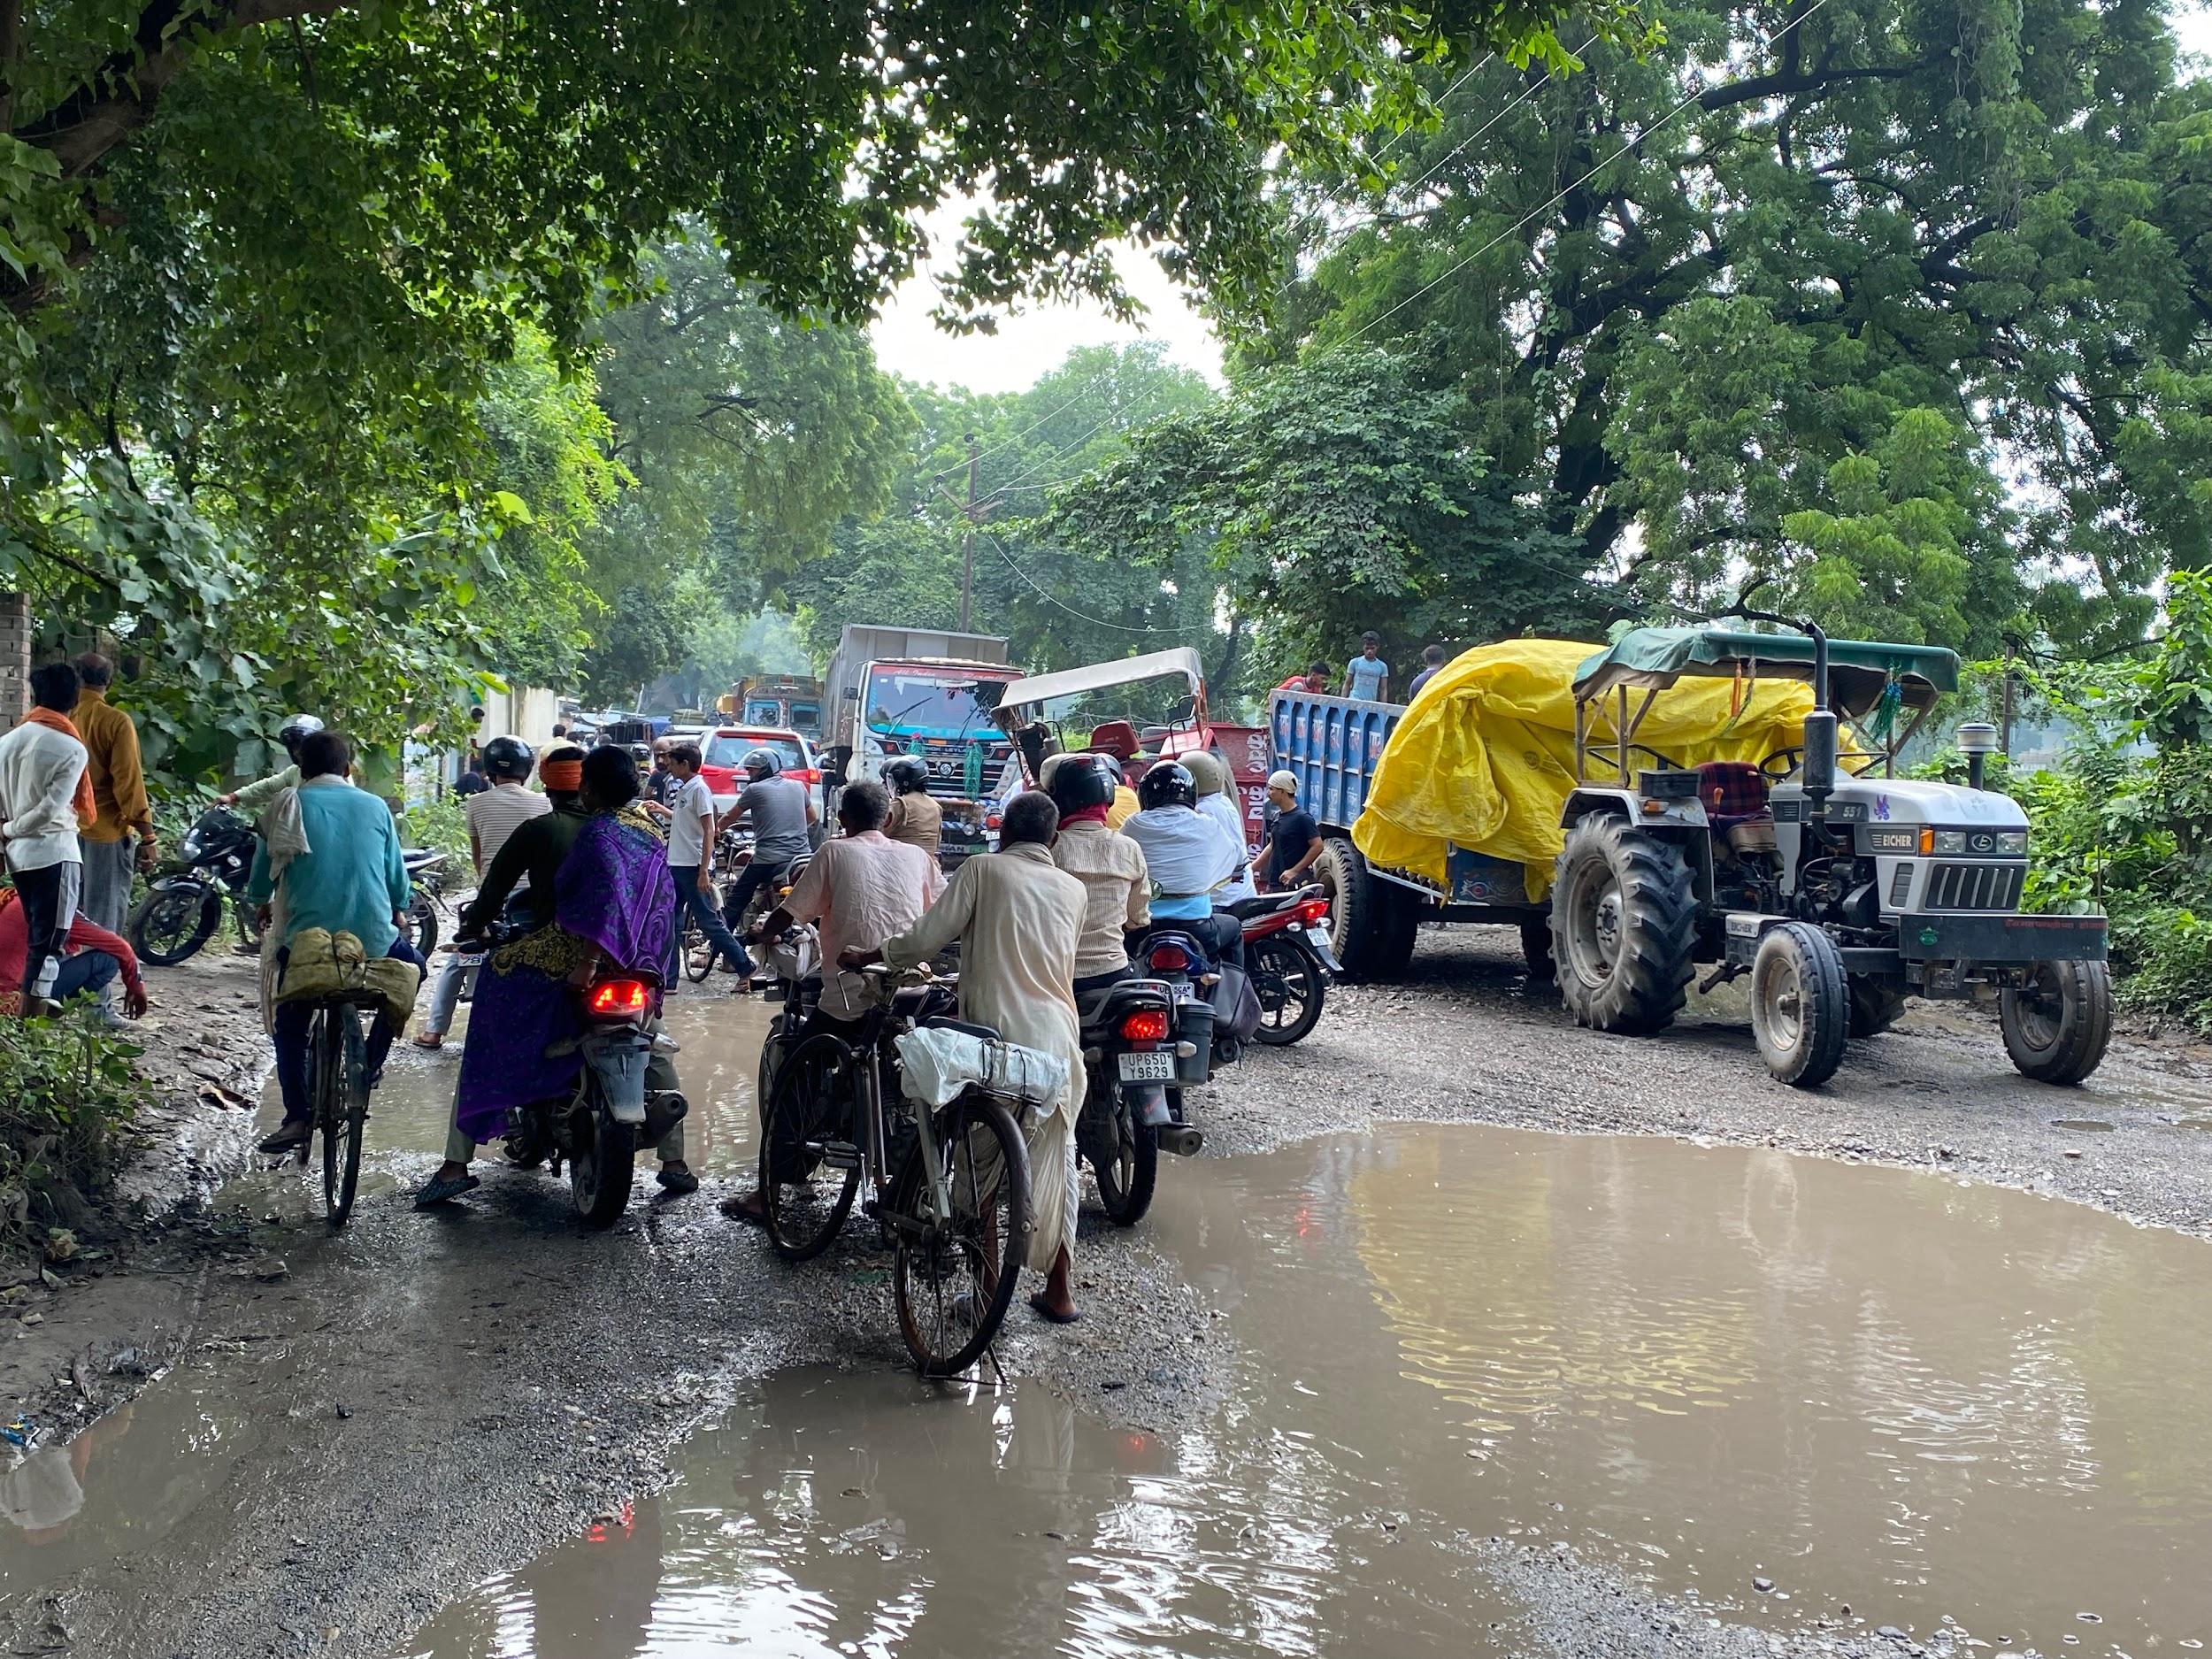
{"x":800,"y":960}
{"x":937,"y":1063}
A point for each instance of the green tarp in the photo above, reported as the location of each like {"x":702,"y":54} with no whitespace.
{"x":1858,"y":670}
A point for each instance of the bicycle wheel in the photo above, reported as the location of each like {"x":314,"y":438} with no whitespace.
{"x":341,"y":1103}
{"x":954,"y":1275}
{"x":809,"y":1163}
{"x":698,"y":960}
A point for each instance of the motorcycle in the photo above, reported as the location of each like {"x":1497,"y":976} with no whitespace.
{"x":425,"y":871}
{"x":1132,"y":1100}
{"x":613,"y":1110}
{"x":1179,"y":961}
{"x":1287,"y":954}
{"x":183,"y":904}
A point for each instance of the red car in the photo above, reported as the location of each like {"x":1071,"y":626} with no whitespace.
{"x":725,"y":748}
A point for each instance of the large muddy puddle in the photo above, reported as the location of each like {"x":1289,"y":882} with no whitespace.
{"x":1778,"y":1384}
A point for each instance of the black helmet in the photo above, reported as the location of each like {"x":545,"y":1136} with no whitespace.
{"x":297,"y":730}
{"x":763,"y":762}
{"x":508,"y":758}
{"x":906,"y":775}
{"x":1084,"y":780}
{"x":1166,"y":783}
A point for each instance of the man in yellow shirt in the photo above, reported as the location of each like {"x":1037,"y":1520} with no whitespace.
{"x":122,"y":835}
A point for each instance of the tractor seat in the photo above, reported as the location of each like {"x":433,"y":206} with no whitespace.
{"x":1116,"y":738}
{"x":1734,"y":792}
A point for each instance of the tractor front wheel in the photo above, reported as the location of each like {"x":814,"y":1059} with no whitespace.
{"x":2058,"y":1025}
{"x":1801,"y":1004}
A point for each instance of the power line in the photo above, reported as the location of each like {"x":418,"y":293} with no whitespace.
{"x":1398,"y":137}
{"x":1545,"y":207}
{"x":1042,"y":592}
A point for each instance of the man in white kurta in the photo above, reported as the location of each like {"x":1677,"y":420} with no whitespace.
{"x":1017,"y":917}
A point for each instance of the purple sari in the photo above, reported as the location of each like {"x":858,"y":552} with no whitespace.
{"x":613,"y":894}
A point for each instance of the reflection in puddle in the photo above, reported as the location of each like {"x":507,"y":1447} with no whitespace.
{"x":1867,"y":1385}
{"x":870,"y":1514}
{"x":2086,"y":1125}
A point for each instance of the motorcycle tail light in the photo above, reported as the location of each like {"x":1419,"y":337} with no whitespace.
{"x":1146,"y":1024}
{"x":1169,"y":959}
{"x":619,"y":999}
{"x":1313,"y":913}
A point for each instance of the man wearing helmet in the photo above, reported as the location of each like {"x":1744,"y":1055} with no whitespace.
{"x":1188,"y":855}
{"x":493,"y":815}
{"x":915,"y":819}
{"x":1218,"y":801}
{"x":1117,"y":884}
{"x":781,"y":810}
{"x":253,"y":799}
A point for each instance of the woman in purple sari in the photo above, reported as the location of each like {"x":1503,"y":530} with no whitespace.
{"x":614,"y":906}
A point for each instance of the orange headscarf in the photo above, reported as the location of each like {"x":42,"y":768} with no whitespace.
{"x":88,"y":809}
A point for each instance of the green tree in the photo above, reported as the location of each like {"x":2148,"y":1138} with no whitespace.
{"x":1327,"y":498}
{"x":1904,"y":304}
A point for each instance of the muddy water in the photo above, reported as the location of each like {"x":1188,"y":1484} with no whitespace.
{"x":1705,"y":1366}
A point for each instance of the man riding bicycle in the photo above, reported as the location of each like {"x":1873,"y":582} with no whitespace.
{"x":329,"y":858}
{"x":780,"y":809}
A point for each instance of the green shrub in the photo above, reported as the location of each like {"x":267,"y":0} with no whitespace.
{"x":68,"y":1091}
{"x":441,"y":825}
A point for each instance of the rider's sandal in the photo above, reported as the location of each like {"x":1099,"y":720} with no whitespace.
{"x":439,"y":1192}
{"x":430,"y":1040}
{"x":1045,"y":1311}
{"x":288,"y":1138}
{"x":743,"y":1208}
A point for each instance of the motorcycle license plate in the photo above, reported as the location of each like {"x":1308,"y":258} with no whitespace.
{"x":1156,"y":1067}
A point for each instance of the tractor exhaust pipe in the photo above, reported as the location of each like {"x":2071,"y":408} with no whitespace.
{"x":1820,"y":733}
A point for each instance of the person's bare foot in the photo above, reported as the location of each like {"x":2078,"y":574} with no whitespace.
{"x":748,"y":1207}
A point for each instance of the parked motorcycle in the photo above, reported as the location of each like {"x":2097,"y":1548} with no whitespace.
{"x":1178,"y":960}
{"x":183,"y":904}
{"x":613,"y":1110}
{"x":427,"y":872}
{"x":1287,"y":954}
{"x":1133,"y":1097}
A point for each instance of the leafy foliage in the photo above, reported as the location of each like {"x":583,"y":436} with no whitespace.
{"x":1326,"y":498}
{"x":68,"y":1093}
{"x":2125,"y":821}
{"x":1902,"y":305}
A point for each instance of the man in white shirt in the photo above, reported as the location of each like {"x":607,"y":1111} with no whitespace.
{"x":493,"y":815}
{"x":859,"y":890}
{"x":691,"y":825}
{"x":45,"y":799}
{"x":1188,"y":855}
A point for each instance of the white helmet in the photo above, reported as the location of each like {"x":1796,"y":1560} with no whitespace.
{"x":1284,"y":781}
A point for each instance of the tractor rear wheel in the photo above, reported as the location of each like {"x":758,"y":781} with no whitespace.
{"x":1875,"y":1005}
{"x":2058,"y":1025}
{"x":1801,"y":1004}
{"x":1372,"y":922}
{"x":1623,"y":921}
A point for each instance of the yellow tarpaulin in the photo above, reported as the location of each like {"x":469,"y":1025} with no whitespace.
{"x":1484,"y":757}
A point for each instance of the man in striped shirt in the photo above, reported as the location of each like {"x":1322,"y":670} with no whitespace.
{"x":493,"y":815}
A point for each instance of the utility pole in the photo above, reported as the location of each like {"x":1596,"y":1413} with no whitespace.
{"x":967,"y":545}
{"x":2004,"y":742}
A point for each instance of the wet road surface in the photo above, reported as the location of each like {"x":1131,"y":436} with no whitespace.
{"x":1722,"y":1366}
{"x":1721,"y":1369}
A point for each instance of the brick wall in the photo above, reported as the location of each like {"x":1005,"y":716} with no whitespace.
{"x":15,"y":659}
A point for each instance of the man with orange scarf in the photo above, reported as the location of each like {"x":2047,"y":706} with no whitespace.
{"x":45,"y":799}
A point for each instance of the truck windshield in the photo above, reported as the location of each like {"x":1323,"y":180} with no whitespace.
{"x":764,"y":712}
{"x":926,"y":704}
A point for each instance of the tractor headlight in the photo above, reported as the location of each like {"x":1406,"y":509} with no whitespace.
{"x":1892,"y":840}
{"x":2013,"y":842}
{"x":1948,"y":842}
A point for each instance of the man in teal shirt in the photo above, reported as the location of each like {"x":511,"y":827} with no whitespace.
{"x":331,"y":859}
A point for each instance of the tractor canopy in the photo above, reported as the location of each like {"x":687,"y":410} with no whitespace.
{"x":1861,"y":673}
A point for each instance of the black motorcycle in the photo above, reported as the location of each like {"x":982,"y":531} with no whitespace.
{"x":425,"y":871}
{"x":184,"y":902}
{"x":1133,"y":1095}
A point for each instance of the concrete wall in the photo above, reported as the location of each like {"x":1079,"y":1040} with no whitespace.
{"x":525,"y":711}
{"x":15,"y":659}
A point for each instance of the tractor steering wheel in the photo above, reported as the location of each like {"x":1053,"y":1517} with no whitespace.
{"x":1791,"y":759}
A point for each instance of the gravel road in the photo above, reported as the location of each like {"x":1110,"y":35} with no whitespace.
{"x":434,"y":1399}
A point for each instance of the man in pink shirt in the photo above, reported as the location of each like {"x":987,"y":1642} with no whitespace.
{"x":859,"y":890}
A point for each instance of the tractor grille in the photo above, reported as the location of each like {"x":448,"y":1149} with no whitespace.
{"x":1975,"y":887}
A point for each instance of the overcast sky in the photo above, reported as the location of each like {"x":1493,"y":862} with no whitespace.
{"x":1029,"y":343}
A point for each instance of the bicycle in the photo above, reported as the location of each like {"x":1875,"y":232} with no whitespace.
{"x":953,"y":1205}
{"x":338,"y":1092}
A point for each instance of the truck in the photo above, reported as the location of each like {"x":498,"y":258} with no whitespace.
{"x":929,"y":694}
{"x":1839,"y":888}
{"x":791,"y":702}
